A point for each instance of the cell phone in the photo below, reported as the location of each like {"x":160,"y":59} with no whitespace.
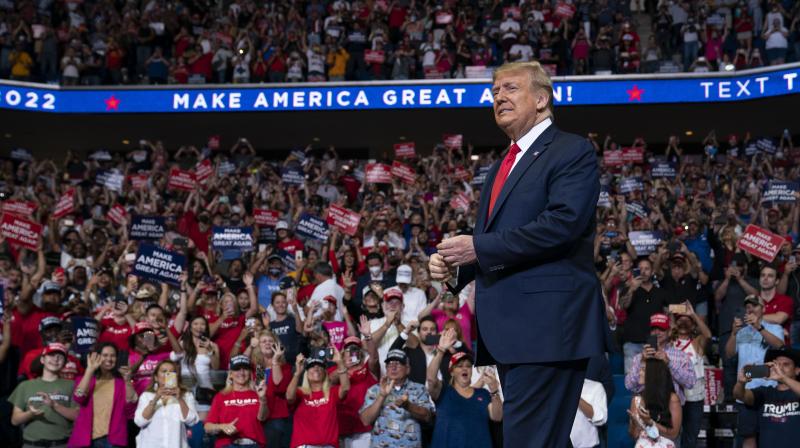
{"x":170,"y":380}
{"x":223,"y":199}
{"x":149,"y":339}
{"x":677,"y":309}
{"x":260,"y":374}
{"x":636,"y":272}
{"x":122,"y":359}
{"x":652,"y":341}
{"x":180,"y":241}
{"x":130,"y":257}
{"x":756,"y":371}
{"x":262,"y":247}
{"x":612,"y":234}
{"x":69,"y":222}
{"x":792,"y":259}
{"x":734,"y":264}
{"x":740,"y":312}
{"x":432,"y":339}
{"x":324,"y":353}
{"x":298,"y":256}
{"x":250,"y":322}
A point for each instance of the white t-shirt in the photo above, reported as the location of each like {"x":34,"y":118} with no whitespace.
{"x":510,"y":28}
{"x":414,"y":301}
{"x":584,"y":429}
{"x":776,"y":40}
{"x":385,"y":342}
{"x":71,"y":69}
{"x":316,"y":62}
{"x":328,"y":288}
{"x":523,"y":50}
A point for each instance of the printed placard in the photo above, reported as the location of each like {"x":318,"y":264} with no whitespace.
{"x":85,"y":331}
{"x":405,"y":150}
{"x":111,"y":179}
{"x":637,"y":209}
{"x":780,"y":192}
{"x":403,"y":172}
{"x":760,"y":243}
{"x":21,"y":208}
{"x":633,"y":155}
{"x":460,"y":173}
{"x":292,"y":175}
{"x":480,"y":175}
{"x":117,"y":215}
{"x":264,"y":217}
{"x":232,"y":238}
{"x":374,"y":56}
{"x":379,"y":173}
{"x":139,"y":181}
{"x":604,"y":200}
{"x":65,"y":204}
{"x":644,"y":242}
{"x":631,"y":184}
{"x":664,"y":170}
{"x":311,"y":227}
{"x":20,"y":231}
{"x":343,"y":219}
{"x":157,"y":263}
{"x":181,"y":180}
{"x":444,"y":18}
{"x":713,"y":386}
{"x":613,"y":158}
{"x":203,"y":171}
{"x":21,"y":154}
{"x":766,"y":145}
{"x":460,"y":202}
{"x":453,"y":141}
{"x":147,"y":227}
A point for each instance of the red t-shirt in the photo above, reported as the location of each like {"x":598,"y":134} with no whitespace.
{"x":189,"y":226}
{"x":72,"y":368}
{"x":316,"y":419}
{"x":781,"y":303}
{"x":276,"y":395}
{"x":243,"y":405}
{"x":226,"y":336}
{"x":25,"y":328}
{"x":349,"y":420}
{"x":118,"y":334}
{"x":291,"y":246}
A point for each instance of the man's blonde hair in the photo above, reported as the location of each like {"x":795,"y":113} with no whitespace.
{"x":539,"y":77}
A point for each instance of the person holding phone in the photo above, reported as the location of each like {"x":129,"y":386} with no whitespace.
{"x":165,"y":409}
{"x":144,"y":355}
{"x":658,"y":347}
{"x":239,"y":411}
{"x":750,"y":337}
{"x":107,"y":400}
{"x":655,"y":412}
{"x":363,"y":371}
{"x":267,"y":355}
{"x":317,"y":400}
{"x":226,"y":329}
{"x":642,"y":298}
{"x":462,"y":411}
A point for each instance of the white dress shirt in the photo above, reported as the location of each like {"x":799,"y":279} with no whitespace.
{"x":167,"y":427}
{"x":584,"y":429}
{"x":527,"y":140}
{"x":328,"y":288}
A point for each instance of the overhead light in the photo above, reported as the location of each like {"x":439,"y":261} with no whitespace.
{"x":7,"y":135}
{"x":689,"y":133}
{"x":402,"y":137}
{"x":126,"y":142}
{"x":315,"y":139}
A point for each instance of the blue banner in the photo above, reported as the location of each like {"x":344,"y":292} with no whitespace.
{"x":85,"y":331}
{"x":159,"y":264}
{"x":309,"y":226}
{"x":663,"y":170}
{"x":293,"y":175}
{"x":644,"y":242}
{"x":631,"y":184}
{"x":779,"y":192}
{"x":226,"y":239}
{"x":147,"y":227}
{"x":571,"y":91}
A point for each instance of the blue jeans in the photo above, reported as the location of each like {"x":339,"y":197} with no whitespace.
{"x":692,"y":418}
{"x":278,"y":432}
{"x":794,"y":334}
{"x":102,"y":442}
{"x":631,"y":350}
{"x":689,"y":53}
{"x":730,"y":368}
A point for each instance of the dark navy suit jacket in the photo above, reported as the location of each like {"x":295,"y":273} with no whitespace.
{"x":538,"y":298}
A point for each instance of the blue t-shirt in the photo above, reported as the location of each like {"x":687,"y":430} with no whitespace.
{"x":751,"y":348}
{"x":462,"y":422}
{"x":266,"y":286}
{"x":700,"y":247}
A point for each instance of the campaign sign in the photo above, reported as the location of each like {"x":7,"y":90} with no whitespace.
{"x":20,"y":231}
{"x":644,"y":242}
{"x":181,"y":180}
{"x":147,"y":227}
{"x":713,"y":385}
{"x":663,"y":170}
{"x":292,"y":175}
{"x":203,"y":171}
{"x":311,"y":227}
{"x":343,"y":219}
{"x":633,"y":155}
{"x":779,"y":192}
{"x":760,"y":242}
{"x":157,"y":263}
{"x":613,"y":158}
{"x":21,"y":154}
{"x":21,"y":208}
{"x":637,"y":209}
{"x":766,"y":145}
{"x":139,"y":181}
{"x":225,"y":167}
{"x":117,"y":214}
{"x":379,"y":173}
{"x":480,"y":175}
{"x":750,"y":150}
{"x":65,"y":204}
{"x":453,"y":141}
{"x":288,"y":260}
{"x":374,"y":56}
{"x":111,"y":179}
{"x":403,"y":172}
{"x":604,"y":200}
{"x":460,"y":202}
{"x":405,"y":150}
{"x":461,"y":174}
{"x":264,"y":217}
{"x":630,"y":184}
{"x":85,"y":331}
{"x":232,"y":238}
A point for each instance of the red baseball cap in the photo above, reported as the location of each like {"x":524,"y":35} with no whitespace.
{"x":456,"y":358}
{"x":141,"y":327}
{"x":390,"y":294}
{"x":351,"y":340}
{"x":659,"y":320}
{"x":330,"y":299}
{"x":55,"y":347}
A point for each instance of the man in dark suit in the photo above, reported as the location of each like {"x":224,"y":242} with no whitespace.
{"x":538,"y":301}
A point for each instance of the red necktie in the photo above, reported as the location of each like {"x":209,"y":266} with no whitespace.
{"x":502,"y":175}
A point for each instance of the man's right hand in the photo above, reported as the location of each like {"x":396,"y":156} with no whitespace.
{"x":737,"y":325}
{"x":440,"y":271}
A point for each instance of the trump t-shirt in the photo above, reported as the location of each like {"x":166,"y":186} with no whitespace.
{"x":779,"y":413}
{"x":241,"y":405}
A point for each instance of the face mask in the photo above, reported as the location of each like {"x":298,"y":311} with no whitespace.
{"x":274,"y":272}
{"x":375,"y":270}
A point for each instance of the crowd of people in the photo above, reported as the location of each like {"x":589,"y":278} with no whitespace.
{"x":338,"y":335}
{"x":160,"y":42}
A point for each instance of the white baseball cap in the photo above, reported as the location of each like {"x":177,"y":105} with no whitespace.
{"x":282,"y":225}
{"x":403,"y":274}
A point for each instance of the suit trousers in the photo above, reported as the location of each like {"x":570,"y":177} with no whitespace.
{"x":540,"y":402}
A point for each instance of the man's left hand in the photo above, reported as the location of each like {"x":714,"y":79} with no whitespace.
{"x":458,"y":250}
